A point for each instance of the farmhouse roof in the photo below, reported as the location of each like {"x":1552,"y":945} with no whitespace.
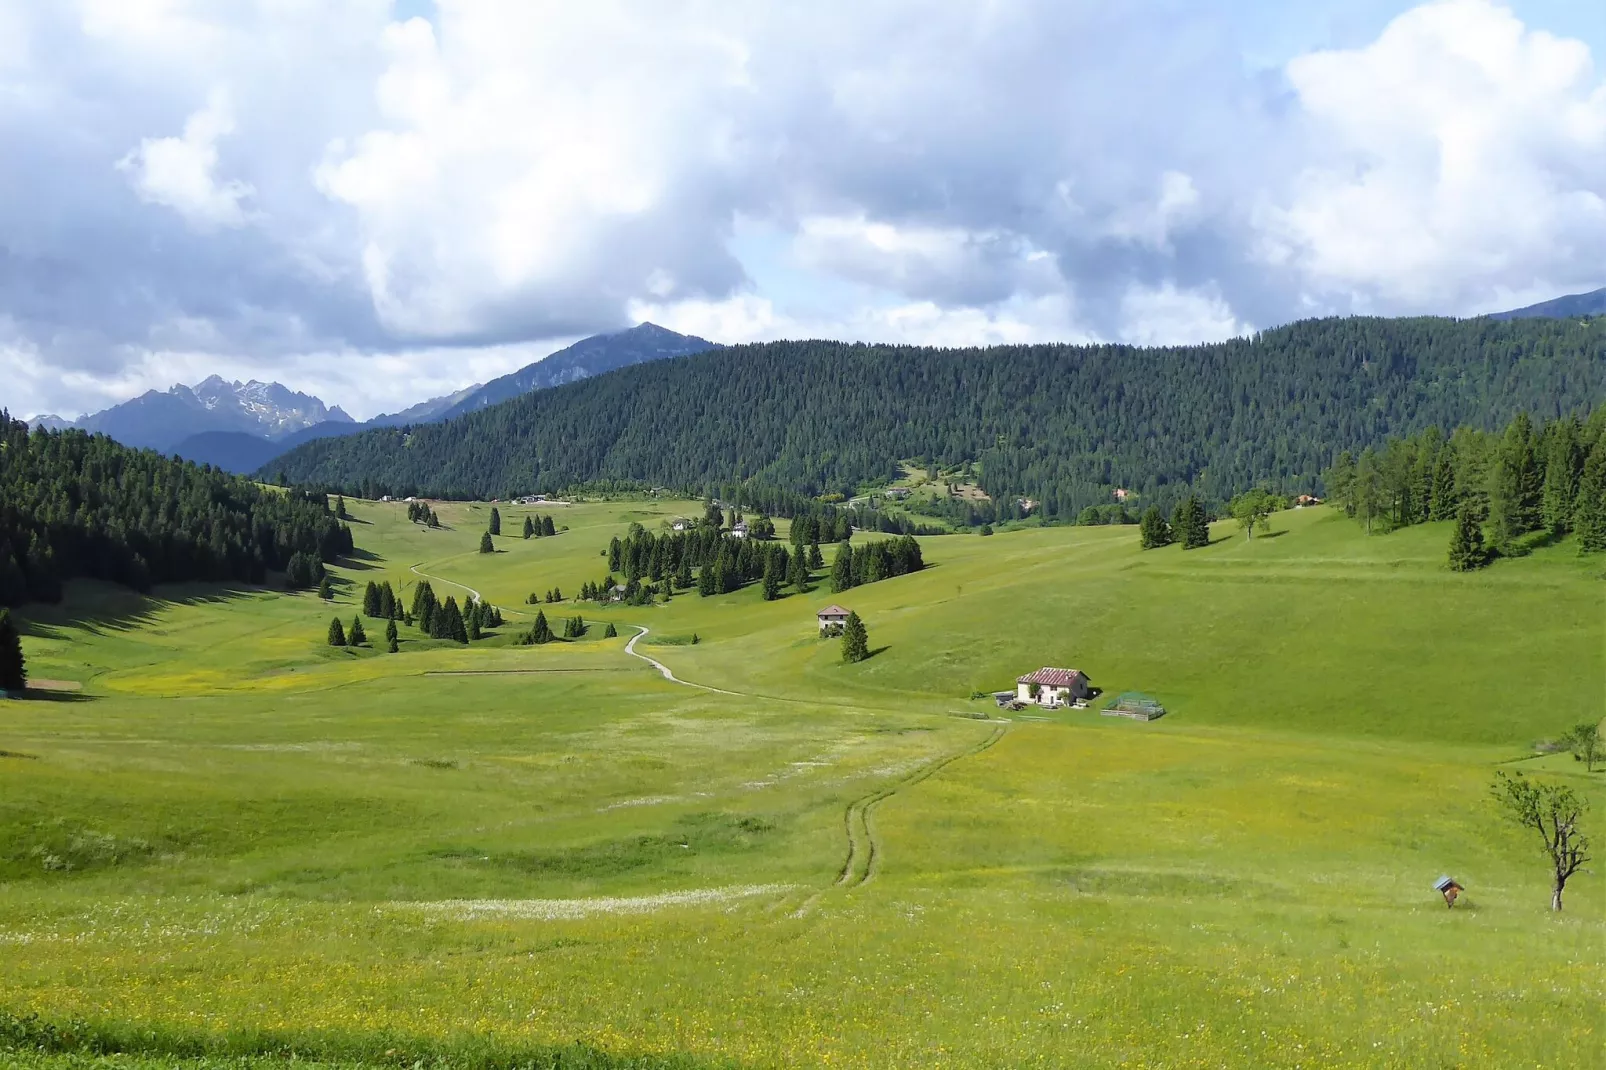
{"x":1051,"y":677}
{"x":834,"y":611}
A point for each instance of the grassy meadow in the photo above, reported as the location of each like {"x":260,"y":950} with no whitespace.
{"x":236,"y":845}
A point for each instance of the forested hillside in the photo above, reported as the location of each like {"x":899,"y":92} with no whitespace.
{"x":1060,"y":424}
{"x":74,"y":504}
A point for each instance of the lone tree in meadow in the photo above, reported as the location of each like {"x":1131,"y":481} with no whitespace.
{"x":1466,"y":542}
{"x":1153,"y":531}
{"x":356,"y":637}
{"x":326,"y":590}
{"x":337,"y":633}
{"x":1586,"y":744}
{"x":529,"y":528}
{"x":855,"y":640}
{"x":1552,"y":811}
{"x":496,"y":521}
{"x":13,"y":666}
{"x":1252,"y":509}
{"x":486,"y":545}
{"x":392,"y":643}
{"x":611,"y":632}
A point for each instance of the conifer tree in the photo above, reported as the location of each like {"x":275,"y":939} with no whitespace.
{"x":1564,"y":464}
{"x":337,"y":633}
{"x":486,"y":545}
{"x":13,"y":666}
{"x":772,"y":582}
{"x":1190,"y":524}
{"x":611,"y":632}
{"x":842,"y":568}
{"x":423,"y":595}
{"x":1515,"y":487}
{"x":1466,"y":542}
{"x":450,"y":622}
{"x":495,"y":526}
{"x":392,"y":642}
{"x":326,"y":590}
{"x":705,"y":581}
{"x":472,"y":625}
{"x":356,"y":637}
{"x":1443,"y":501}
{"x":340,"y":507}
{"x":816,"y":559}
{"x":1153,"y":531}
{"x":799,"y":577}
{"x":541,"y":631}
{"x":855,"y":640}
{"x":387,"y":601}
{"x":529,"y":527}
{"x":1589,"y":508}
{"x":546,"y":526}
{"x":370,"y":600}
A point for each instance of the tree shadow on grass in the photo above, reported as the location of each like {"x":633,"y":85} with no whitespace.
{"x":49,"y":694}
{"x":877,"y":651}
{"x":98,"y":607}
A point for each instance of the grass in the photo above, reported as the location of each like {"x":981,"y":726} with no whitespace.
{"x":238,"y":845}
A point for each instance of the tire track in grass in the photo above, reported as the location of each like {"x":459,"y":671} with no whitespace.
{"x":864,"y":849}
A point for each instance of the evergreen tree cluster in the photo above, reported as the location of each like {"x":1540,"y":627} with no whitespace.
{"x":535,"y":527}
{"x":878,"y":560}
{"x":420,"y":513}
{"x":379,"y":601}
{"x":73,"y":504}
{"x":574,"y":627}
{"x":1190,"y":523}
{"x":1547,"y":477}
{"x":1061,"y":425}
{"x":445,"y":620}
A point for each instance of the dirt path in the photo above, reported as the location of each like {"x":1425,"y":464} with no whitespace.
{"x":630,"y":648}
{"x":864,"y":848}
{"x":440,"y":579}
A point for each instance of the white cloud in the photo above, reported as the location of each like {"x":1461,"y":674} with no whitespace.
{"x":370,"y":196}
{"x":1167,"y":316}
{"x":1459,"y":157}
{"x":180,"y":172}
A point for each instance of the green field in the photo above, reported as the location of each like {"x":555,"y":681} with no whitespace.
{"x":237,"y":845}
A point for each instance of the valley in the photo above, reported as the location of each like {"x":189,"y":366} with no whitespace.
{"x":237,"y":843}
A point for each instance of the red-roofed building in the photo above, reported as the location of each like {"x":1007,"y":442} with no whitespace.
{"x":1053,"y":687}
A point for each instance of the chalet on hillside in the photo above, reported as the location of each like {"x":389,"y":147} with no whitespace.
{"x":739,"y":530}
{"x":1053,"y":687}
{"x":833,"y":619}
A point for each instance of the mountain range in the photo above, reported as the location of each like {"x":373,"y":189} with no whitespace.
{"x":241,"y":427}
{"x":1571,"y":306}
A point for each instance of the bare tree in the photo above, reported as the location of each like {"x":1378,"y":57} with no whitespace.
{"x":1552,"y":810}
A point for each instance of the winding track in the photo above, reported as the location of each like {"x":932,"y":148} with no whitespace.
{"x":441,"y":579}
{"x":630,"y":648}
{"x":864,"y":849}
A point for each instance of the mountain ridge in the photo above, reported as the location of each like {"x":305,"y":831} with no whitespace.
{"x":1058,"y":424}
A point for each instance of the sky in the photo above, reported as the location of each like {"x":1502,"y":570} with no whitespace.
{"x":379,"y":201}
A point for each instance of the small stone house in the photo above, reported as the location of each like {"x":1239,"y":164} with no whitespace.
{"x":1053,"y":687}
{"x":739,"y":530}
{"x":833,"y":619}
